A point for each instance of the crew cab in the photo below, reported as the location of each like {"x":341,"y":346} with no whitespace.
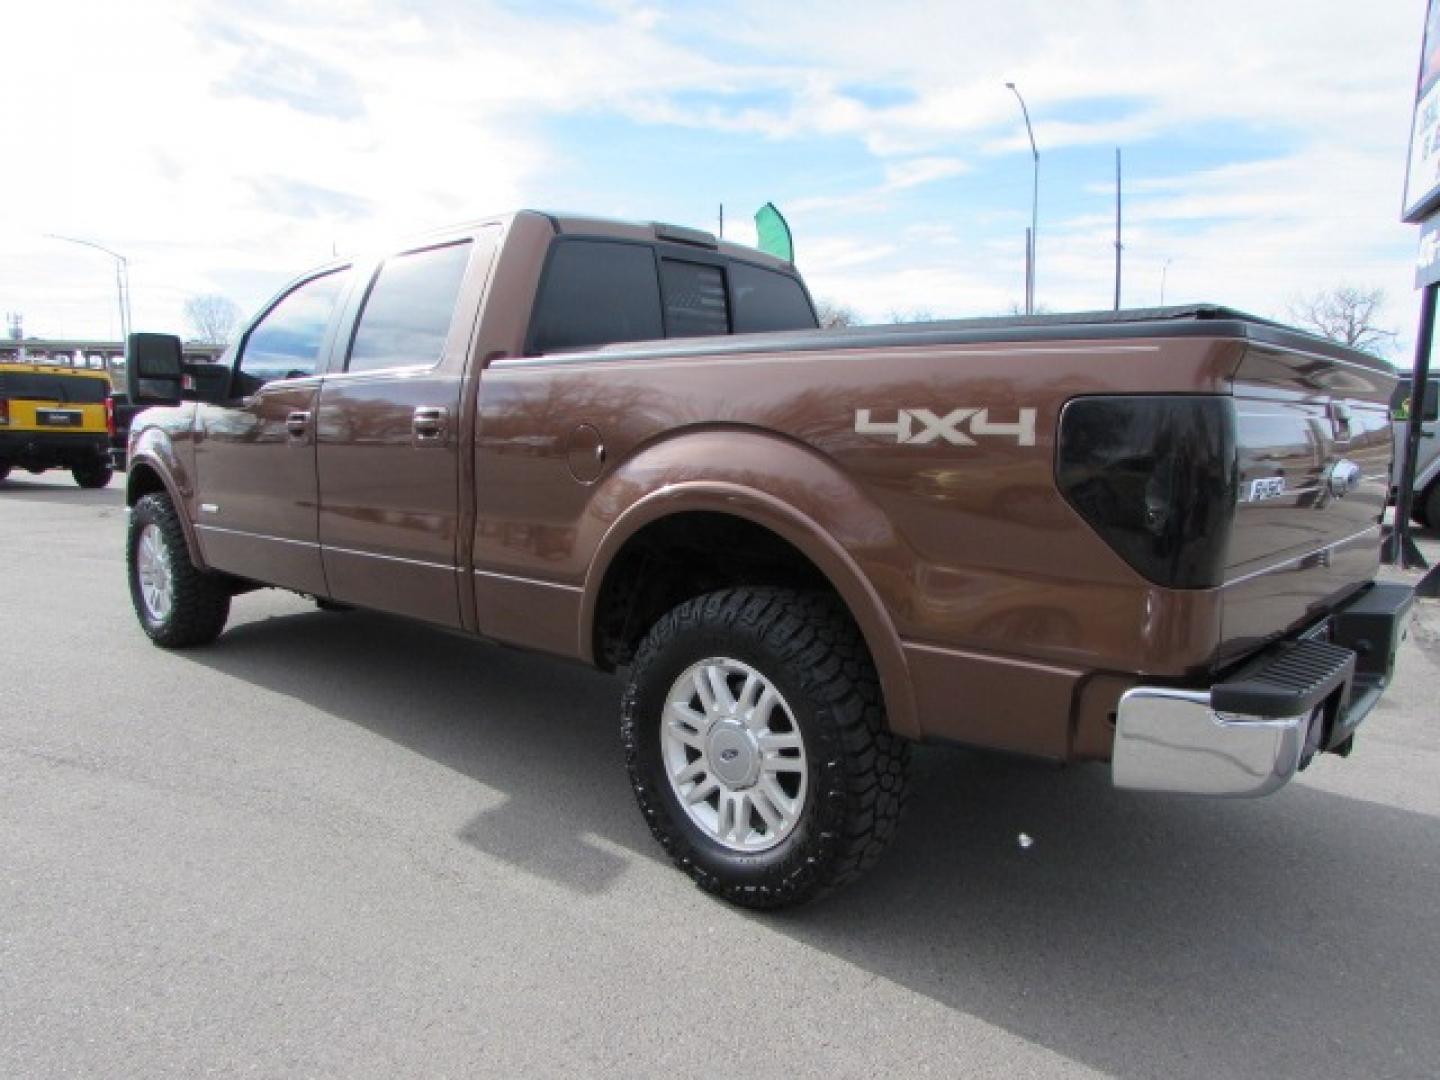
{"x":1146,"y":538}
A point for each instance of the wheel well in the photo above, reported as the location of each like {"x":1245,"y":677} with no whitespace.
{"x":683,"y":556}
{"x":142,"y":481}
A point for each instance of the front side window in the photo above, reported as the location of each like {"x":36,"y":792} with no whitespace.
{"x":407,"y":314}
{"x":285,"y":344}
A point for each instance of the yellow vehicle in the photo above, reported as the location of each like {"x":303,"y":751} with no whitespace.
{"x":56,"y":418}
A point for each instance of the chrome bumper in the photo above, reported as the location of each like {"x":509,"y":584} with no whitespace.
{"x":1174,"y":740}
{"x":1251,"y":733}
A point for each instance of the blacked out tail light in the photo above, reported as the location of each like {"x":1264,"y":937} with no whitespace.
{"x":1157,"y":478}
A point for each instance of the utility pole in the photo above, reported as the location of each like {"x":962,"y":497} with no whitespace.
{"x":1118,"y":246}
{"x":1032,"y":238}
{"x":122,"y":279}
{"x":722,"y":221}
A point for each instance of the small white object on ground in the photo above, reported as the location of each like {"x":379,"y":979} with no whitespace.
{"x":1026,"y":841}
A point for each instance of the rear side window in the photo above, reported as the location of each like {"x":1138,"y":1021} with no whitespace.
{"x":24,"y":385}
{"x":766,"y":300}
{"x":407,"y":315}
{"x":286,"y":342}
{"x":695,"y":304}
{"x":597,"y":292}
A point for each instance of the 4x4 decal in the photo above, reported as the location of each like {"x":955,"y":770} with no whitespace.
{"x":915,"y":427}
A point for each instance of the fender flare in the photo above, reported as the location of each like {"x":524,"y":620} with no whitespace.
{"x":806,"y":535}
{"x":167,"y":481}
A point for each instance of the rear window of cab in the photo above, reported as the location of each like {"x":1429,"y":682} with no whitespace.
{"x":68,"y":389}
{"x":601,"y":292}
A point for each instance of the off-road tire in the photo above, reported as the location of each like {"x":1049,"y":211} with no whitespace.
{"x":201,"y":601}
{"x":1425,"y":511}
{"x":807,"y":645}
{"x":92,"y":476}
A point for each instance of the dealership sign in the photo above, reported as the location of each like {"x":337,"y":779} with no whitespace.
{"x":1422,"y":178}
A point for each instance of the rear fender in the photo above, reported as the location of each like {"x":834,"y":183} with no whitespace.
{"x":784,"y":487}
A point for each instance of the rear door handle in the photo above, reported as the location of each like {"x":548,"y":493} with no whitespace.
{"x":297,"y":423}
{"x":429,"y":424}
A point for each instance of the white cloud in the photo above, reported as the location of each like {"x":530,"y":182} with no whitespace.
{"x":223,"y":148}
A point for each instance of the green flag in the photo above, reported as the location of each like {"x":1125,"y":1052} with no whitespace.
{"x":774,"y":233}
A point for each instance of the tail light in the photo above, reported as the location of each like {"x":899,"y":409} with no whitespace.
{"x":110,"y":415}
{"x":1157,"y":479}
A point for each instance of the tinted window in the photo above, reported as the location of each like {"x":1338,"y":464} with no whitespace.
{"x":286,"y":343}
{"x":694,"y":299}
{"x":36,"y":387}
{"x":407,"y":314}
{"x":765,"y":300}
{"x":596,"y":292}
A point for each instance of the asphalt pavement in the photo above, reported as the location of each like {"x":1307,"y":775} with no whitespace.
{"x":345,"y":845}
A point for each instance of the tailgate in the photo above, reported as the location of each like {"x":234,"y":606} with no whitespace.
{"x":1314,"y":446}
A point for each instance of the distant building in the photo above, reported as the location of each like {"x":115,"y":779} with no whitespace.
{"x":101,"y":355}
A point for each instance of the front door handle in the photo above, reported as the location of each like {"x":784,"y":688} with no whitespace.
{"x":429,"y":424}
{"x":297,"y":423}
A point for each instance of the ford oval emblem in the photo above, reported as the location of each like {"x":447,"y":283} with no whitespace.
{"x":1344,"y":478}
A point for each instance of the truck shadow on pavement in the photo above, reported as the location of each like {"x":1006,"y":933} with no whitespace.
{"x":1136,"y":935}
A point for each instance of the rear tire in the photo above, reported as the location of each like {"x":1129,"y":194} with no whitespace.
{"x":1426,"y":511}
{"x":92,"y":476}
{"x":178,"y":604}
{"x":781,"y":781}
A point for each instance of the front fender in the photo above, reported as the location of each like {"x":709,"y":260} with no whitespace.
{"x":783,"y":486}
{"x":154,"y":456}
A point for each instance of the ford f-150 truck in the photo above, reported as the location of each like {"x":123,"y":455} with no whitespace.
{"x":1148,"y":538}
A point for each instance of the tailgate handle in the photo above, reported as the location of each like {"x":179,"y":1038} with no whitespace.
{"x":297,"y":423}
{"x":429,"y":424}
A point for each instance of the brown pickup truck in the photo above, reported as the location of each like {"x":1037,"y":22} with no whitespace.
{"x":1148,"y":538}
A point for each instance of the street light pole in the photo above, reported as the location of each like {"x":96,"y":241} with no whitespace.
{"x":1034,"y":206}
{"x":122,"y":279}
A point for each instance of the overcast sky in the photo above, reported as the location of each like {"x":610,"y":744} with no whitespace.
{"x":224,"y":147}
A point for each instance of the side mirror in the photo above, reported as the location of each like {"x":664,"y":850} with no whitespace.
{"x":153,"y":368}
{"x":206,"y":382}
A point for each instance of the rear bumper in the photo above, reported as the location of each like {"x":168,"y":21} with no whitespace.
{"x":1251,"y":733}
{"x":50,"y":450}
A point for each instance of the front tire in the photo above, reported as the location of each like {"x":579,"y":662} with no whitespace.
{"x":755,"y":738}
{"x":92,"y":476}
{"x":178,"y":604}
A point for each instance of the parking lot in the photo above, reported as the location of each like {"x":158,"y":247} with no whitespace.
{"x":340,"y":844}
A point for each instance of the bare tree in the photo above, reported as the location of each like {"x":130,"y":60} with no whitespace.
{"x":835,"y":316}
{"x":912,"y":315}
{"x":1345,"y":314}
{"x":212,"y":317}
